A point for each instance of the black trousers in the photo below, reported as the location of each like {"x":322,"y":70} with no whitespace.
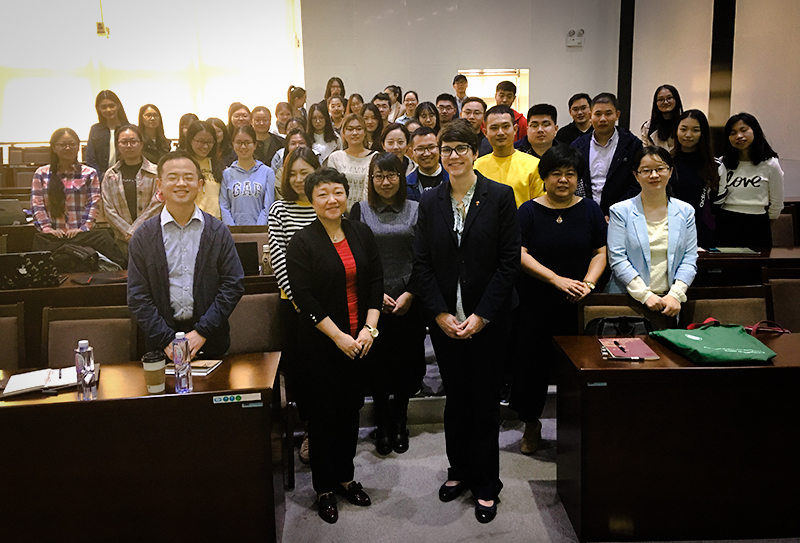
{"x":98,"y":239}
{"x":743,"y":230}
{"x":471,"y":372}
{"x":332,"y":441}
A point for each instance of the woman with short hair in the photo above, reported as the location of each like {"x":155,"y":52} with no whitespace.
{"x":336,"y":278}
{"x":428,"y":115}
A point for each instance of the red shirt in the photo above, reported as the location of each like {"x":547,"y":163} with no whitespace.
{"x":350,"y":274}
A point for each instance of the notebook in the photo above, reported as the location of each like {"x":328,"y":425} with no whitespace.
{"x":28,"y":270}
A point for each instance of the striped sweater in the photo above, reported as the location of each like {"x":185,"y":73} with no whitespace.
{"x":285,"y":219}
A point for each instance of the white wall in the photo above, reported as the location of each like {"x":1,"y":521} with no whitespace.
{"x":766,"y":76}
{"x":420,"y":45}
{"x":680,"y":57}
{"x":182,"y":56}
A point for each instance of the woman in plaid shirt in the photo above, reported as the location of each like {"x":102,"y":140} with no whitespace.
{"x":65,"y":194}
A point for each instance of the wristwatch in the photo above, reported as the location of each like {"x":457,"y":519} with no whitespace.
{"x":372,"y":330}
{"x":589,"y":284}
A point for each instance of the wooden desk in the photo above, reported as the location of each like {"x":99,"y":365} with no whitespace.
{"x":70,"y":294}
{"x":147,"y":468}
{"x":666,"y":450}
{"x":734,"y":270}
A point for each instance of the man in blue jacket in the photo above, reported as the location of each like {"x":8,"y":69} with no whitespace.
{"x":184,"y":274}
{"x":608,"y":152}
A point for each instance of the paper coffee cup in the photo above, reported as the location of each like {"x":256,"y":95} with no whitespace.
{"x":154,"y":364}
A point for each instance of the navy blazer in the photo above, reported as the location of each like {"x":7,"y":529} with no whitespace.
{"x":487,"y":260}
{"x":218,"y":284}
{"x":620,"y":181}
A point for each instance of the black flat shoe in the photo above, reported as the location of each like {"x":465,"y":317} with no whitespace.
{"x":450,"y":493}
{"x":400,"y":441}
{"x":326,"y":505}
{"x":354,"y":493}
{"x":484,"y":513}
{"x":383,"y":443}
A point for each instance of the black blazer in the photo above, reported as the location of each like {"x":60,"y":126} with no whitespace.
{"x":620,"y":181}
{"x":97,"y":147}
{"x":317,"y":275}
{"x":487,"y":260}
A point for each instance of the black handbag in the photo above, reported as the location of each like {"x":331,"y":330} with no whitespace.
{"x":618,"y":327}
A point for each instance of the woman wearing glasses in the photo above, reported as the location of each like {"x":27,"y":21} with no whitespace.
{"x":399,"y":356}
{"x":659,"y":130}
{"x":154,"y":143}
{"x":652,"y":239}
{"x":129,"y":187}
{"x":354,"y":161}
{"x":466,"y":260}
{"x":202,"y":142}
{"x":248,"y":185}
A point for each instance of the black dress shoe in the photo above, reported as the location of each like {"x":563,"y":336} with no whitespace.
{"x":450,"y":493}
{"x":400,"y":441}
{"x":354,"y":493}
{"x":383,"y":443}
{"x":326,"y":504}
{"x":485,"y":513}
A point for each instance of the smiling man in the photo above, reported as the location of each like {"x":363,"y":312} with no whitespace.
{"x":505,"y":94}
{"x":542,"y":128}
{"x":505,"y":164}
{"x":184,"y":274}
{"x":608,"y":153}
{"x":430,"y":173}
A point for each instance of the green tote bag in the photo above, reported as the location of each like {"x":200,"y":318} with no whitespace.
{"x":716,"y":344}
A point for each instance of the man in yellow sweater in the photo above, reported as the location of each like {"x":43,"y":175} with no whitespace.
{"x":506,"y":165}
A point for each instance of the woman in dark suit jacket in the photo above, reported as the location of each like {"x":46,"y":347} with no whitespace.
{"x":336,"y":278}
{"x":467,"y":255}
{"x":110,"y":115}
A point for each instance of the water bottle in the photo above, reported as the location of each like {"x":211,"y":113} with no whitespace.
{"x":84,"y":369}
{"x":183,"y":367}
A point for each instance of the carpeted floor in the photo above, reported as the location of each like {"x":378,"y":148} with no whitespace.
{"x":405,"y":507}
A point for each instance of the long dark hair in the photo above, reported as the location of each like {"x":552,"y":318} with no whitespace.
{"x":216,"y":163}
{"x":375,"y":136}
{"x":234,"y":107}
{"x":708,"y":170}
{"x":56,"y":196}
{"x":304,"y":153}
{"x":431,"y":108}
{"x":185,"y":120}
{"x":109,"y":95}
{"x":760,"y":149}
{"x":330,"y":83}
{"x":665,"y":127}
{"x":161,"y":140}
{"x":225,"y":147}
{"x":328,"y":133}
{"x":387,"y":162}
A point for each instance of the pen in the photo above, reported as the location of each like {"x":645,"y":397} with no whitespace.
{"x":59,"y":374}
{"x":621,"y":348}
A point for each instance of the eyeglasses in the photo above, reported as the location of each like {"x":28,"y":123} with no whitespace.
{"x":666,"y":100}
{"x":430,"y":149}
{"x":646,"y":172}
{"x":460,"y":150}
{"x":205,"y":143}
{"x":150,"y":116}
{"x":63,"y":146}
{"x":243,"y":143}
{"x":129,"y":143}
{"x":380,"y":177}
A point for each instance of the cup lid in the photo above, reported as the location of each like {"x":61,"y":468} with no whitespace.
{"x":153,"y":356}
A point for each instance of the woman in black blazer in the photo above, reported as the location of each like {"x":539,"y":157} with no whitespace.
{"x":467,"y":255}
{"x":336,"y":279}
{"x":110,"y":116}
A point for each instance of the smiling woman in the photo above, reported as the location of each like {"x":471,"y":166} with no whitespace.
{"x":100,"y":149}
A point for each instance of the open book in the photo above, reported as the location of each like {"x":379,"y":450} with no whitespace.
{"x":47,"y":379}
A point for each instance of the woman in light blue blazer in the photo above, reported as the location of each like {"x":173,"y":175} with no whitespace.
{"x":652,"y":239}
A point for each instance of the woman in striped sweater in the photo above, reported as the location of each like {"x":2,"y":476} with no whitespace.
{"x":287,"y":217}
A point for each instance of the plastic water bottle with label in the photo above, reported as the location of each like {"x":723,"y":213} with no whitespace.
{"x":84,"y":368}
{"x":182,"y":358}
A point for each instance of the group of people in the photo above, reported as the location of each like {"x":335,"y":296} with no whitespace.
{"x":392,"y":216}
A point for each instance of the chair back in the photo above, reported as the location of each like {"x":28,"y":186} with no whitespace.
{"x":730,"y":305}
{"x":783,"y":228}
{"x":255,"y":324}
{"x":603,"y":304}
{"x":259,"y":234}
{"x":12,"y":330}
{"x":111,"y":332}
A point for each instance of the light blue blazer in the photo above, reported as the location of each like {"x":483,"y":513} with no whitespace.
{"x":629,"y":244}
